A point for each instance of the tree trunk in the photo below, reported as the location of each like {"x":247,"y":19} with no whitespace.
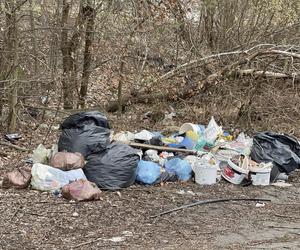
{"x":11,"y":69}
{"x":69,"y":48}
{"x":90,"y":15}
{"x":33,"y":39}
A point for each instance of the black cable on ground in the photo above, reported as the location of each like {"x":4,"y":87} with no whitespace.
{"x":208,"y":202}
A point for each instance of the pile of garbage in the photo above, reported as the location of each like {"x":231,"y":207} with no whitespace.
{"x":89,"y":158}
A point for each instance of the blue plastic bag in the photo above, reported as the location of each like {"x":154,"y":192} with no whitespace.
{"x":147,"y":172}
{"x":180,"y":167}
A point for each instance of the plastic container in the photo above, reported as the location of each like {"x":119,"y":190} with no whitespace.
{"x":261,"y":176}
{"x":199,"y":129}
{"x":205,"y":174}
{"x":233,"y":173}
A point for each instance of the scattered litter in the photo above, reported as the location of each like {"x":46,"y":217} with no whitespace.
{"x":260,"y":204}
{"x":41,"y":154}
{"x":46,"y":178}
{"x":281,"y":184}
{"x":67,"y":161}
{"x":212,"y":132}
{"x":127,"y":233}
{"x":116,"y":239}
{"x":282,"y":150}
{"x":75,"y":214}
{"x":84,"y":132}
{"x":180,"y":167}
{"x":191,"y":127}
{"x":152,"y":155}
{"x":88,"y":160}
{"x":205,"y":174}
{"x":81,"y":190}
{"x":144,"y":135}
{"x":260,"y":174}
{"x":181,"y":191}
{"x":147,"y":172}
{"x":191,"y":193}
{"x":113,"y":168}
{"x":233,"y":170}
{"x":124,"y":137}
{"x":19,"y":178}
{"x":12,"y":137}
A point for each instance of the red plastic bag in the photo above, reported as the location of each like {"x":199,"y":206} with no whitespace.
{"x":67,"y":161}
{"x":19,"y":178}
{"x":81,"y":190}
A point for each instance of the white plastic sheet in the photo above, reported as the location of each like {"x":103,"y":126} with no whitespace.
{"x":46,"y":178}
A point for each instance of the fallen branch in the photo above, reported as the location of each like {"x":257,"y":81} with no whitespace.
{"x":266,"y":73}
{"x":147,"y":98}
{"x":207,"y":202}
{"x":194,"y":63}
{"x":211,"y":78}
{"x":14,"y":146}
{"x":160,"y":148}
{"x":280,"y":52}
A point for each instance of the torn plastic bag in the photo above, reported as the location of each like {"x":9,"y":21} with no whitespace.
{"x":19,"y":178}
{"x":81,"y":190}
{"x":181,"y":168}
{"x":94,"y":118}
{"x":67,"y":161}
{"x":85,"y":140}
{"x":114,"y":168}
{"x":46,"y":178}
{"x":282,"y":150}
{"x":147,"y":172}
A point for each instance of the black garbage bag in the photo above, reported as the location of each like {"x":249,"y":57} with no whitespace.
{"x":84,"y":132}
{"x":282,"y":150}
{"x":86,"y":140}
{"x":113,"y":168}
{"x":80,"y":119}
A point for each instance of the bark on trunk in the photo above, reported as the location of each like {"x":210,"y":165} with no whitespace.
{"x":90,"y":14}
{"x":69,"y":48}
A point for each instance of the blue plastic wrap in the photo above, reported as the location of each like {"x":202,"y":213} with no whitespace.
{"x":181,"y":168}
{"x":147,"y":172}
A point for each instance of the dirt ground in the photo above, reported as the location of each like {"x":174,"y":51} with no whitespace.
{"x":33,"y":220}
{"x":122,"y":220}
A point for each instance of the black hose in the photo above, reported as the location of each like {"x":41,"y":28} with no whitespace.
{"x":207,"y":202}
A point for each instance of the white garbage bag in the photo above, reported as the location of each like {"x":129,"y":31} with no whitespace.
{"x":46,"y":178}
